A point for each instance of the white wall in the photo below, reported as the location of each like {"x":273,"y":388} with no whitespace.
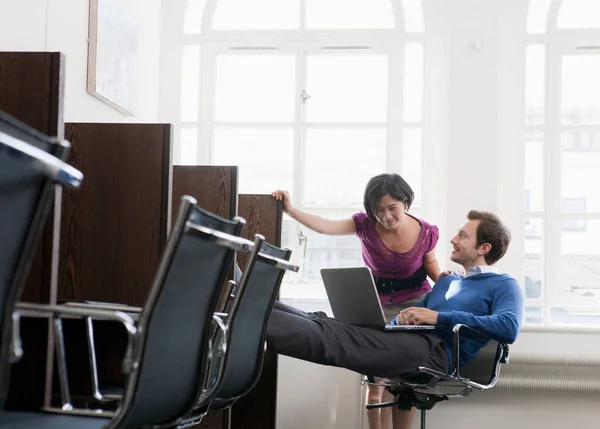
{"x":315,"y":396}
{"x":62,"y":26}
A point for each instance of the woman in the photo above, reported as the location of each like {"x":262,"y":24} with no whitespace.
{"x":397,"y":247}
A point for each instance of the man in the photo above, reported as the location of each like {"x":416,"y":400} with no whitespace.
{"x":484,"y":299}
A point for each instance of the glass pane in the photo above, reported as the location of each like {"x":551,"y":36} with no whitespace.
{"x":535,"y":84}
{"x":349,"y":14}
{"x":580,"y":257}
{"x":193,"y":16}
{"x":286,"y":242}
{"x":579,"y":14}
{"x":538,"y":16}
{"x":580,"y":170}
{"x":255,"y":88}
{"x":581,"y":141}
{"x":329,"y":251}
{"x":188,"y":147}
{"x":338,"y":165}
{"x":413,"y":16}
{"x":580,"y":89}
{"x":257,"y":15}
{"x":575,"y":316}
{"x":347,"y":88}
{"x":533,"y":267}
{"x":534,"y":172}
{"x":412,"y":164}
{"x":413,"y":82}
{"x":533,"y":315}
{"x":190,"y":83}
{"x":264,"y":157}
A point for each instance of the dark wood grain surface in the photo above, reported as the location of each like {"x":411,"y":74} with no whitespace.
{"x":114,"y":229}
{"x":258,"y":409}
{"x":215,"y":190}
{"x":214,"y":187}
{"x":32,"y":90}
{"x":115,"y":226}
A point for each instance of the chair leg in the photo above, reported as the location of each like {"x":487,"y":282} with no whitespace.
{"x":423,"y":419}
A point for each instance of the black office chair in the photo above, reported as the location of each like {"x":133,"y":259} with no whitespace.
{"x":169,"y":345}
{"x":426,"y":387}
{"x":247,"y":322}
{"x":31,"y":164}
{"x":199,"y":216}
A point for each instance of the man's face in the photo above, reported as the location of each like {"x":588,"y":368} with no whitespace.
{"x":464,"y":244}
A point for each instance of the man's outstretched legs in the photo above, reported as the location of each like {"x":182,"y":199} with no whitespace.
{"x":317,"y":338}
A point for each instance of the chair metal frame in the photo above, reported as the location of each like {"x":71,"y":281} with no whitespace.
{"x":45,"y":155}
{"x":235,"y":298}
{"x":411,"y":390}
{"x":135,"y":331}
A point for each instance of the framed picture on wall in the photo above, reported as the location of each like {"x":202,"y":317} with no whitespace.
{"x":113,"y":46}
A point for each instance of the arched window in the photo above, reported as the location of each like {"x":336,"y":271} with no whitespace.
{"x":562,"y":162}
{"x":313,"y":96}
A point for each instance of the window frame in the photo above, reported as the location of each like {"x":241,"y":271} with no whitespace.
{"x":558,"y":42}
{"x":300,"y":43}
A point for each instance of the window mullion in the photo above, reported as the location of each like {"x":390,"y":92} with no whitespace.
{"x":552,"y":179}
{"x":298,"y":165}
{"x":395,"y":110}
{"x":207,"y":84}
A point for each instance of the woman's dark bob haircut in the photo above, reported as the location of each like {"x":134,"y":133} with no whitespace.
{"x":383,"y":184}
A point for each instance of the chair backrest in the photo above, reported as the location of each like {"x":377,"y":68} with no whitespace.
{"x":175,"y":324}
{"x":30,"y":163}
{"x":484,"y":369}
{"x":247,"y":323}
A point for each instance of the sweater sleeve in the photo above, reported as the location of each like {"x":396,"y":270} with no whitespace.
{"x":422,"y":303}
{"x":503,"y":324}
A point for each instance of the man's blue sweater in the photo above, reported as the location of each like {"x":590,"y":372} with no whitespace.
{"x":490,"y":303}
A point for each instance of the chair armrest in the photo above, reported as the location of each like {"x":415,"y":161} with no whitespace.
{"x":16,"y":345}
{"x":57,"y":311}
{"x":500,"y":357}
{"x":108,"y":306}
{"x":29,"y":309}
{"x":218,"y":349}
{"x":501,"y":353}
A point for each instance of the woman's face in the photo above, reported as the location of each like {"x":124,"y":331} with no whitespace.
{"x":389,"y":211}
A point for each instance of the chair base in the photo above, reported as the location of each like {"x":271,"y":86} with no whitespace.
{"x":406,"y":400}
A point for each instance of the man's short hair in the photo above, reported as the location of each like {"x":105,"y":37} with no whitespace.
{"x":491,"y":230}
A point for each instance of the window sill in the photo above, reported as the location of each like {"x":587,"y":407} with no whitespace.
{"x":561,"y":329}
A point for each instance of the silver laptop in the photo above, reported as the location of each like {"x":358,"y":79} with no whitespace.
{"x":353,"y":298}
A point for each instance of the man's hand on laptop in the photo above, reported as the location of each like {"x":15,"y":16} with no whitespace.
{"x":417,"y":316}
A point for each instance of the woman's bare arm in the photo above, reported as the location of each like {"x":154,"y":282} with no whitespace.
{"x":432,"y":267}
{"x":315,"y":222}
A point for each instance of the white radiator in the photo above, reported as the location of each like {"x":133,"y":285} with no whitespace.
{"x":560,"y":373}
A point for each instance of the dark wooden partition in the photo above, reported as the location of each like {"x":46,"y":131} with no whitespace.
{"x":32,"y":90}
{"x":215,"y":189}
{"x":114,"y":228}
{"x":258,"y":409}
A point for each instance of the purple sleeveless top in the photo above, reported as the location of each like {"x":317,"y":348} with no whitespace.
{"x":386,"y":263}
